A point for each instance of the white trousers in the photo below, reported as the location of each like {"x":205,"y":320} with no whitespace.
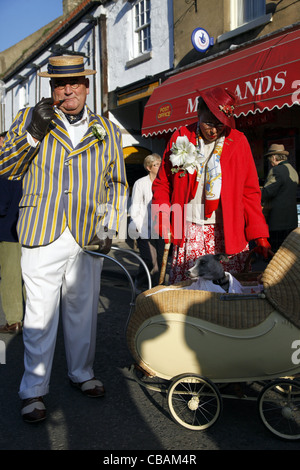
{"x":58,"y":275}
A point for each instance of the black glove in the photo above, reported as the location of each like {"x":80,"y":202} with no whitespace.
{"x":42,"y":114}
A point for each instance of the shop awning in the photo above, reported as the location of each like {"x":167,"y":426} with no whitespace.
{"x":135,"y":155}
{"x":264,"y":76}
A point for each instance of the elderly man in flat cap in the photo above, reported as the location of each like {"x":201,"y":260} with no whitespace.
{"x":279,"y":195}
{"x":74,"y":191}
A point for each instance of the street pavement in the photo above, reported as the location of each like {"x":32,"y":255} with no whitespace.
{"x":130,"y":418}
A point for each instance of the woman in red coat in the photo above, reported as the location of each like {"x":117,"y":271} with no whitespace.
{"x":206,"y":193}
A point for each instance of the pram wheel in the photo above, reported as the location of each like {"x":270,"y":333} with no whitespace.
{"x":194,"y":402}
{"x":279,"y":408}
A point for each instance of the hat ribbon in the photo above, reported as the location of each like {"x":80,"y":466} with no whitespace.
{"x":65,"y":69}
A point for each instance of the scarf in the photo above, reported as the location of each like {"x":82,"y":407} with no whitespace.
{"x":213,"y":175}
{"x":74,"y":118}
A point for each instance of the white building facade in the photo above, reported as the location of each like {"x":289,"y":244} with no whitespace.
{"x":129,"y":43}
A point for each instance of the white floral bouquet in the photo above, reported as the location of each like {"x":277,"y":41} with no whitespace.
{"x":185,"y":156}
{"x":99,"y":132}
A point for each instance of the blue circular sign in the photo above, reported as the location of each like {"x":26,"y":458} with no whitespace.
{"x":201,"y":39}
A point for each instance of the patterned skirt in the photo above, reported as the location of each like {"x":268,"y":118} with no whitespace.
{"x":202,"y":240}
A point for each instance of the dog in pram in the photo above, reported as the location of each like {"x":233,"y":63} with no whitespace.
{"x":208,"y":274}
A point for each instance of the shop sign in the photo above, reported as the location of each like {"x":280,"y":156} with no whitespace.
{"x":257,"y":90}
{"x":164,"y":112}
{"x":201,"y":40}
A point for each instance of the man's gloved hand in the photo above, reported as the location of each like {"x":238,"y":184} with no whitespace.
{"x":42,"y":114}
{"x":263,"y":247}
{"x":100,"y":245}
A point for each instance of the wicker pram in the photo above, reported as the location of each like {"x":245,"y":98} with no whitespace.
{"x":173,"y":330}
{"x":190,"y":344}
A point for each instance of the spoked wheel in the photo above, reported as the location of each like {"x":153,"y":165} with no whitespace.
{"x":279,"y":408}
{"x":194,"y":402}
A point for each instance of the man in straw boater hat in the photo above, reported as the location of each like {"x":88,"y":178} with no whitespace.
{"x":74,"y":191}
{"x":216,"y":188}
{"x":279,"y":195}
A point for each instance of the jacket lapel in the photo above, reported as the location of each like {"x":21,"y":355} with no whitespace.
{"x":59,"y":132}
{"x":227,"y":148}
{"x":89,"y":138}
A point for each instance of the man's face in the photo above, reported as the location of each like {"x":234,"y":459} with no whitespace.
{"x":73,"y":90}
{"x":273,"y":161}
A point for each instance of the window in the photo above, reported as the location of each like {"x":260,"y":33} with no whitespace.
{"x":244,"y":16}
{"x":142,"y":26}
{"x":24,"y":94}
{"x":244,"y":11}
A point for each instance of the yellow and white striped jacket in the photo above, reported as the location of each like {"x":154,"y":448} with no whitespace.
{"x":65,"y":186}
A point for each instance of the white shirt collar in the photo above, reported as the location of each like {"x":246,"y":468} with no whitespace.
{"x":63,"y":117}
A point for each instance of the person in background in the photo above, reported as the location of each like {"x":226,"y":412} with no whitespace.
{"x":206,"y":196}
{"x":279,"y":196}
{"x":2,"y":137}
{"x":11,"y":288}
{"x":151,"y":250}
{"x":74,"y":193}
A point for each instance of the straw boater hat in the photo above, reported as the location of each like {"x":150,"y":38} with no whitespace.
{"x":66,"y":66}
{"x":221,"y":103}
{"x":276,"y":149}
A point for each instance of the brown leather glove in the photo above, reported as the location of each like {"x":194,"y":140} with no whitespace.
{"x":100,"y":245}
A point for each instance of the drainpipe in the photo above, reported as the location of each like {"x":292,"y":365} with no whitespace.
{"x":103,"y":62}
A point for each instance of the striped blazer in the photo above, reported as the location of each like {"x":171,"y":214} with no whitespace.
{"x":82,"y":188}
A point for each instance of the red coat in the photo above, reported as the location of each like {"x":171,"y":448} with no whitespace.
{"x":243,"y":219}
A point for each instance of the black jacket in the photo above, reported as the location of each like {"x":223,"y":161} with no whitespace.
{"x":10,"y":195}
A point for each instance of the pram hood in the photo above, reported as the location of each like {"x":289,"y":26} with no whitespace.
{"x":281,"y":278}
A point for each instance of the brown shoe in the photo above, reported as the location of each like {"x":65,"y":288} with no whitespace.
{"x":91,"y":388}
{"x":14,"y":328}
{"x":33,"y":410}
